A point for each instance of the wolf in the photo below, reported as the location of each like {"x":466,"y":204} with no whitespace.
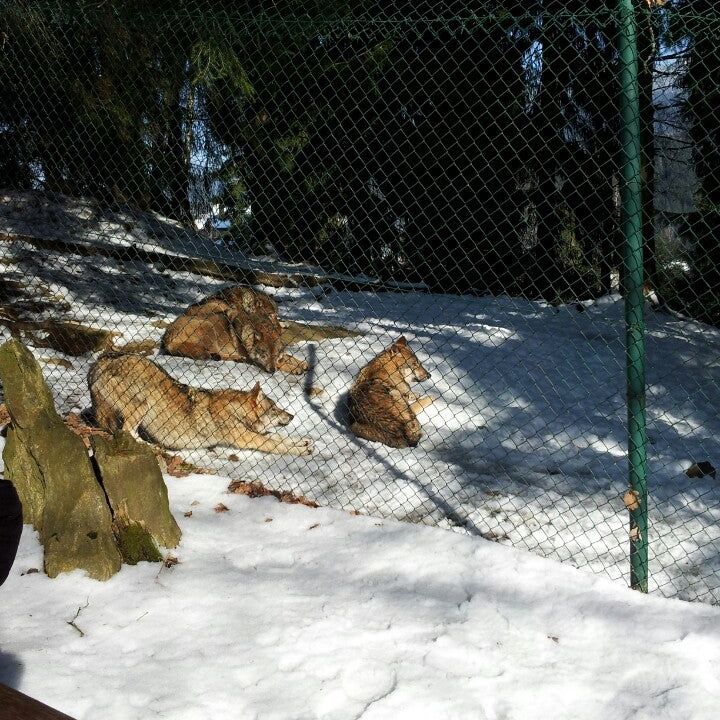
{"x":381,"y":405}
{"x":130,"y":392}
{"x":237,"y":323}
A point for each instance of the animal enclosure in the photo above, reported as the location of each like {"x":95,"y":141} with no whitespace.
{"x":527,"y":193}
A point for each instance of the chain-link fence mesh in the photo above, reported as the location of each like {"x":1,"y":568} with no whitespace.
{"x":444,"y":172}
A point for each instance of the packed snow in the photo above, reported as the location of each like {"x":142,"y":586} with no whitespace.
{"x":283,"y":612}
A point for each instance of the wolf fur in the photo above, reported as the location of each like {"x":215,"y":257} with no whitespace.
{"x":131,"y":393}
{"x":382,"y":406}
{"x":237,"y":323}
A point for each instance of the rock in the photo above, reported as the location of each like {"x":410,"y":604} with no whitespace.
{"x":60,"y":487}
{"x":137,"y":494}
{"x":50,"y":468}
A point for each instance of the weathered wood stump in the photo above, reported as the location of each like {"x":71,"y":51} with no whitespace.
{"x":138,"y":497}
{"x":90,"y":514}
{"x":51,"y":471}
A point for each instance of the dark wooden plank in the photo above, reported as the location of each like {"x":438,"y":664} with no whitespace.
{"x":15,"y":705}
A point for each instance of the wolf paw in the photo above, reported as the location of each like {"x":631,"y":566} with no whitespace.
{"x":301,"y":368}
{"x":304,"y":446}
{"x":291,"y":365}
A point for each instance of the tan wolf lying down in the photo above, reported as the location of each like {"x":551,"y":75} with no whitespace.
{"x":382,"y":406}
{"x":237,"y":323}
{"x":132,"y":393}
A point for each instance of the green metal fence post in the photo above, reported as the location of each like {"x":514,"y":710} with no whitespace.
{"x":633,"y":288}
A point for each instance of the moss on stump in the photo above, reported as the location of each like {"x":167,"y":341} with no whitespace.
{"x":136,"y":544}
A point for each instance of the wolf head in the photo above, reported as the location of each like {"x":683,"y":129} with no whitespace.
{"x":408,"y":364}
{"x":267,"y":414}
{"x":259,"y":339}
{"x":254,"y":410}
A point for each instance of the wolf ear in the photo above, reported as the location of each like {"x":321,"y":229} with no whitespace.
{"x":255,"y":392}
{"x":401,"y":341}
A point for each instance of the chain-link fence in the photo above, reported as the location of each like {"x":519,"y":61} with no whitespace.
{"x":450,"y":173}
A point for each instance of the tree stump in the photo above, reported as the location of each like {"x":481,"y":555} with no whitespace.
{"x":138,"y":497}
{"x":51,"y":471}
{"x":91,"y":514}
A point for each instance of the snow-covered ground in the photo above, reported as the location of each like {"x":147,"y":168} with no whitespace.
{"x":525,"y":443}
{"x":79,"y":221}
{"x":282,"y":612}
